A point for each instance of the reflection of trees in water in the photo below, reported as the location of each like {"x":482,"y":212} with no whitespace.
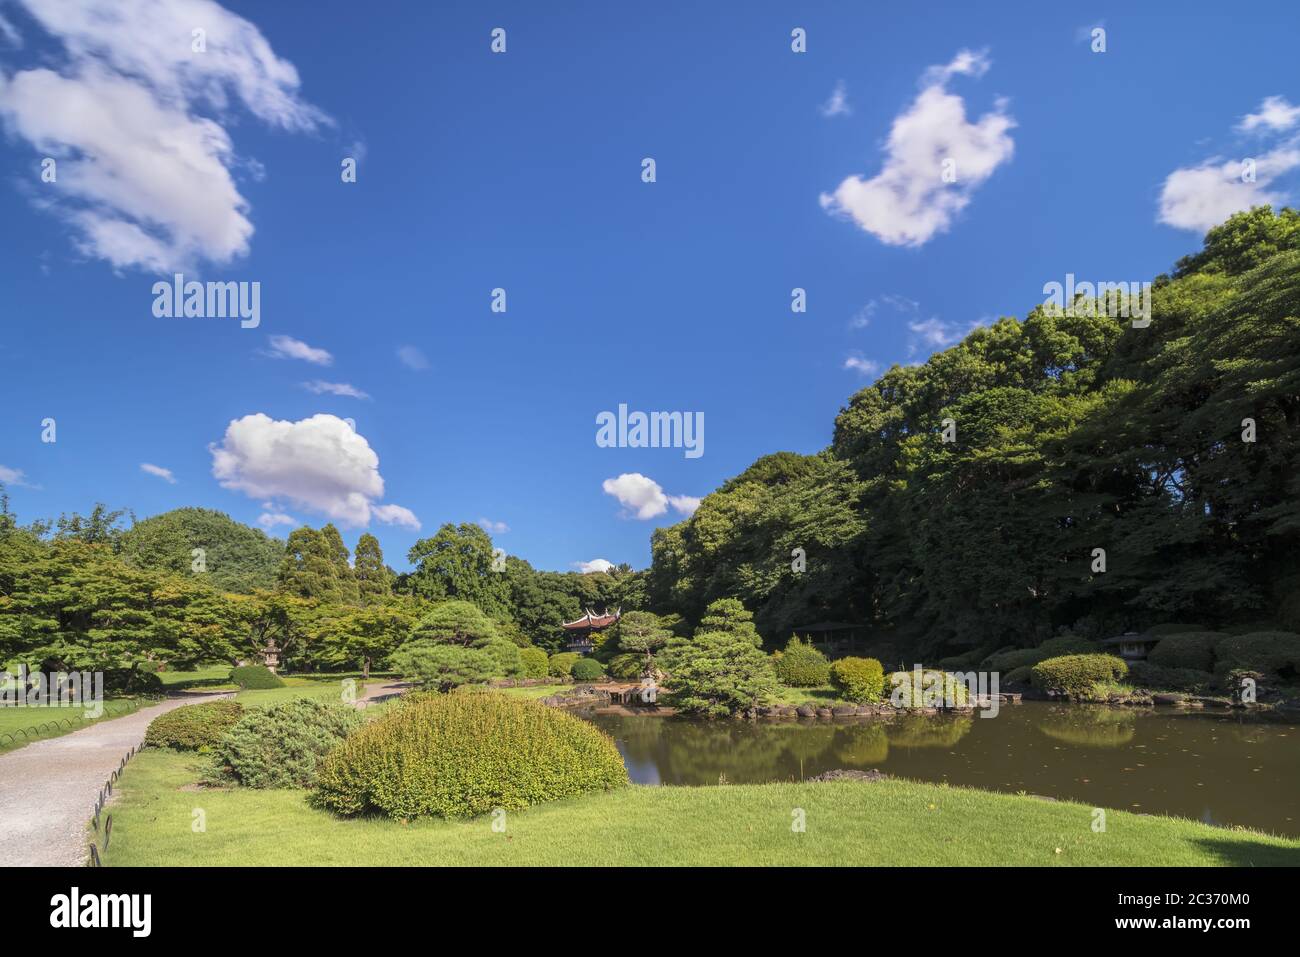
{"x":928,"y":731}
{"x":860,"y":745}
{"x":700,"y":752}
{"x":1090,"y":727}
{"x":805,"y":742}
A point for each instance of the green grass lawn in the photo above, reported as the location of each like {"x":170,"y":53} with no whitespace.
{"x":887,"y":823}
{"x":825,"y":695}
{"x":533,"y":692}
{"x":325,"y":688}
{"x":55,"y":722}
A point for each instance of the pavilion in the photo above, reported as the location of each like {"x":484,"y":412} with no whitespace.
{"x":582,"y":631}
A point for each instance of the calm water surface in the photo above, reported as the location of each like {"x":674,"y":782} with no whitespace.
{"x":1221,"y":768}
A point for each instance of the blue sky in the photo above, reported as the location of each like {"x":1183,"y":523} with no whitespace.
{"x":523,"y":171}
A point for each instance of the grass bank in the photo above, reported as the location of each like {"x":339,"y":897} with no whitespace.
{"x":21,"y":726}
{"x":887,"y":823}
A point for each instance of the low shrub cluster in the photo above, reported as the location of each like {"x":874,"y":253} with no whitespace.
{"x":561,"y":663}
{"x":255,"y":677}
{"x":801,"y":665}
{"x":1275,"y":653}
{"x":282,"y":746}
{"x":131,"y":681}
{"x":442,"y":667}
{"x":934,"y":689}
{"x":1154,"y":677}
{"x":534,"y":662}
{"x":195,"y":727}
{"x":587,"y":669}
{"x":858,"y":679}
{"x":1008,"y":659}
{"x":1076,"y":676}
{"x":460,"y":756}
{"x":626,"y":666}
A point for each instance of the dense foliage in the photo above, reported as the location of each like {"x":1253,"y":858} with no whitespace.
{"x":801,"y":665}
{"x":255,"y":677}
{"x":1076,"y":676}
{"x":718,"y":673}
{"x":587,"y":669}
{"x":1074,"y":431}
{"x":282,"y":746}
{"x":195,"y":727}
{"x":462,"y":755}
{"x":534,"y":662}
{"x":858,"y":679}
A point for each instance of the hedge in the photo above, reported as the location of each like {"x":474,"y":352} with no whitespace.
{"x":1271,"y":652}
{"x":1077,"y":675}
{"x":587,"y":669}
{"x":462,"y":755}
{"x":259,"y":677}
{"x":1188,"y":649}
{"x":195,"y":727}
{"x":858,"y":679}
{"x":534,"y":661}
{"x":801,"y":665}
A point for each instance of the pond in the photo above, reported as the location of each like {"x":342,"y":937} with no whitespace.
{"x":1224,"y":768}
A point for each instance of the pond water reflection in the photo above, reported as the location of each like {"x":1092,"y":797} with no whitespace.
{"x":1218,"y":767}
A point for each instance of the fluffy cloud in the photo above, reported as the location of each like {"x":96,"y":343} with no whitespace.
{"x":269,"y":520}
{"x":319,"y":387}
{"x":287,"y":347}
{"x":1202,"y":196}
{"x":158,"y":470}
{"x":644,"y":497}
{"x":907,"y":202}
{"x":862,"y":366}
{"x":412,"y":358}
{"x":595,"y":565}
{"x":143,"y":177}
{"x":15,"y":477}
{"x":493,"y":528}
{"x":319,"y":464}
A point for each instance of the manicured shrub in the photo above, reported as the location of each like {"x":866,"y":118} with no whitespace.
{"x":586,"y":669}
{"x":1144,"y":674}
{"x":718,"y":673}
{"x":1010,"y":659}
{"x":441,"y":667}
{"x":1186,"y":649}
{"x":1077,"y":675}
{"x":534,"y":662}
{"x":131,"y":681}
{"x":560,"y":664}
{"x":1018,"y":676}
{"x":801,"y":665}
{"x":282,"y":746}
{"x":858,"y":679}
{"x":1274,"y":653}
{"x":933,"y":689}
{"x":1172,"y":628}
{"x":251,"y":677}
{"x":195,"y":727}
{"x":509,"y":663}
{"x":467,"y":754}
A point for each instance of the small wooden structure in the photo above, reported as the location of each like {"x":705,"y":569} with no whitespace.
{"x":641,"y":692}
{"x":1132,"y":646}
{"x":583,"y":630}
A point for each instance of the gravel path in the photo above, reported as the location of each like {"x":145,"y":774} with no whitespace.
{"x":48,"y":788}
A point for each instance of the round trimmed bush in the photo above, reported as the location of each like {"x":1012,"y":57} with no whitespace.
{"x":282,"y":746}
{"x":463,"y":755}
{"x":255,"y":677}
{"x":858,"y":679}
{"x":587,"y":669}
{"x":801,"y":665}
{"x":1077,"y":675}
{"x":1018,"y":676}
{"x":561,"y":664}
{"x":935,"y":689}
{"x":534,"y":661}
{"x":1186,"y":649}
{"x":1010,"y":659}
{"x":194,"y":727}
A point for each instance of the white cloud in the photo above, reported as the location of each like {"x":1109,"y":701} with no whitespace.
{"x":319,"y":464}
{"x":595,"y":565}
{"x":319,"y":387}
{"x":861,"y":365}
{"x":494,"y":528}
{"x":1200,"y":197}
{"x":1275,"y":113}
{"x":644,"y":497}
{"x":907,"y":203}
{"x":412,"y":358}
{"x":269,"y":520}
{"x":287,"y":347}
{"x":15,"y":477}
{"x":143,"y":177}
{"x":686,"y":504}
{"x":838,"y":103}
{"x":10,"y":34}
{"x":158,"y":470}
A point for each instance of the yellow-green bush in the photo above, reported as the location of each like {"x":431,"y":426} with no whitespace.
{"x":858,"y":679}
{"x":195,"y":727}
{"x":463,"y":755}
{"x":801,"y":665}
{"x":534,"y":661}
{"x":561,"y":663}
{"x":935,"y":689}
{"x":1077,"y":675}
